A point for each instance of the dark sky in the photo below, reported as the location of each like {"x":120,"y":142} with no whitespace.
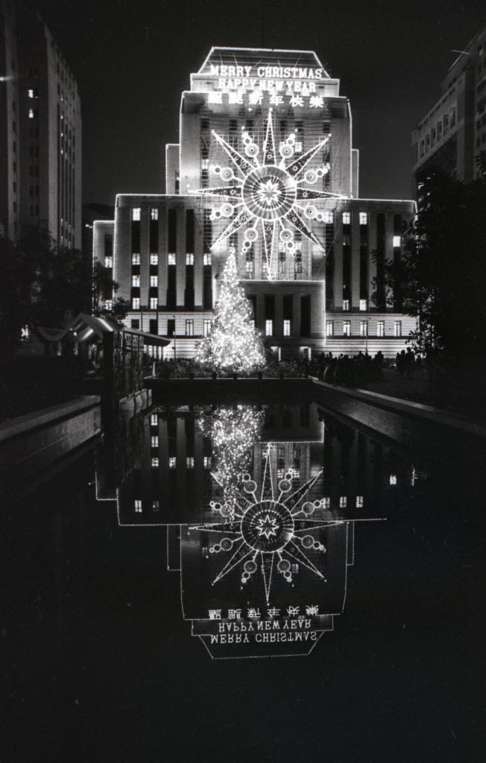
{"x":132,"y":58}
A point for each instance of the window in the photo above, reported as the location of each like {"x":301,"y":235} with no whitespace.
{"x":326,"y":503}
{"x":154,"y":280}
{"x":206,"y":326}
{"x":134,"y":323}
{"x":155,"y":462}
{"x":154,"y":259}
{"x":108,"y":262}
{"x":397,"y":241}
{"x":189,"y":259}
{"x":31,"y":114}
{"x":189,"y":327}
{"x":30,"y":93}
{"x":136,"y":303}
{"x":249,"y":268}
{"x":154,"y":213}
{"x":393,"y":479}
{"x":346,"y":328}
{"x":137,"y":505}
{"x":343,"y":501}
{"x":108,"y":304}
{"x":154,"y":420}
{"x":363,"y":218}
{"x":136,"y":281}
{"x":286,"y":327}
{"x":345,"y":304}
{"x":380,"y":328}
{"x":135,"y":259}
{"x":156,"y":505}
{"x":154,"y":303}
{"x":359,"y":501}
{"x":190,"y":462}
{"x":328,"y":217}
{"x":363,"y":328}
{"x":363,"y":304}
{"x":154,"y":441}
{"x":346,"y":218}
{"x":207,"y":462}
{"x":207,"y":259}
{"x":397,"y":328}
{"x":172,"y":462}
{"x":329,"y":328}
{"x":171,"y":258}
{"x":136,"y":214}
{"x":269,"y":327}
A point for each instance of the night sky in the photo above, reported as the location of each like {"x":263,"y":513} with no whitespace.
{"x":133,"y":58}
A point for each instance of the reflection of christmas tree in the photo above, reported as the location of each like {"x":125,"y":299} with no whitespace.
{"x":233,"y":343}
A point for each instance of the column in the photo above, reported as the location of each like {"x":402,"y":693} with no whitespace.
{"x":181,"y":257}
{"x":371,"y":258}
{"x":355,"y":259}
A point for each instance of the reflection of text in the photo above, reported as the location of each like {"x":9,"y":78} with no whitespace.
{"x":265,"y":632}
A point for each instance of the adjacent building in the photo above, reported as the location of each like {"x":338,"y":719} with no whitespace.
{"x":40,"y":131}
{"x":451,"y":137}
{"x":265,"y":168}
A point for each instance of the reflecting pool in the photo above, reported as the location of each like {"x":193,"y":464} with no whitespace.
{"x":151,"y":572}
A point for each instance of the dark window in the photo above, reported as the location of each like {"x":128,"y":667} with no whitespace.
{"x":207,"y":288}
{"x":380,"y":261}
{"x":346,"y":271}
{"x":171,"y":286}
{"x":305,"y":315}
{"x":153,"y":326}
{"x":135,"y":235}
{"x":154,"y":236}
{"x":171,"y":328}
{"x":269,"y":306}
{"x":172,"y":225}
{"x":288,"y":306}
{"x":108,"y":245}
{"x":190,"y":230}
{"x":135,"y":323}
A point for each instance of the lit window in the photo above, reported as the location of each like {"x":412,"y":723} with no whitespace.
{"x":346,"y":328}
{"x":346,"y":218}
{"x":154,"y":213}
{"x":155,"y":462}
{"x":397,"y":328}
{"x":269,"y":327}
{"x":189,"y":327}
{"x":363,"y":304}
{"x":207,"y":462}
{"x":190,"y":462}
{"x":249,"y":267}
{"x":363,"y":218}
{"x":172,"y":462}
{"x":328,"y":217}
{"x":329,"y":328}
{"x":31,"y":114}
{"x":363,"y":328}
{"x":108,"y":304}
{"x":154,"y":280}
{"x":345,"y":304}
{"x":393,"y":479}
{"x":155,"y":505}
{"x":326,"y":503}
{"x":397,"y":241}
{"x":136,"y":214}
{"x":171,"y":258}
{"x":108,"y":262}
{"x":207,"y":259}
{"x":343,"y":501}
{"x":286,"y":327}
{"x":137,"y":505}
{"x":154,"y":259}
{"x":30,"y":93}
{"x":136,"y":303}
{"x":136,"y":281}
{"x":154,"y":302}
{"x":359,"y":501}
{"x":206,"y":326}
{"x":154,"y":441}
{"x":189,"y":259}
{"x":154,"y":420}
{"x":135,"y":259}
{"x":380,"y":328}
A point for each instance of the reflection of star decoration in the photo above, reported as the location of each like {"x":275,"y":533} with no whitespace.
{"x":268,"y":527}
{"x":267,"y":193}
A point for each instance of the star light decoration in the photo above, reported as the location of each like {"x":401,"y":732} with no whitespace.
{"x":269,"y":193}
{"x":268,"y":528}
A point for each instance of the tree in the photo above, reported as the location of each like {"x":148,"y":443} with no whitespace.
{"x":441,"y":276}
{"x":233,"y":343}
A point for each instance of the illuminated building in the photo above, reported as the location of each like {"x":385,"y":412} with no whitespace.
{"x":40,"y":131}
{"x":265,"y":167}
{"x":451,"y":137}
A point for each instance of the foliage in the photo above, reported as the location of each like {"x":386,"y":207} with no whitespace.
{"x":441,"y":277}
{"x":233,"y":344}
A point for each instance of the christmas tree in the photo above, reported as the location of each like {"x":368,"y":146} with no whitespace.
{"x":233,"y":344}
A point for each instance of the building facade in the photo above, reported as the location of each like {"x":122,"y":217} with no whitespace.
{"x":451,"y":137}
{"x":264,"y":168}
{"x":40,"y":131}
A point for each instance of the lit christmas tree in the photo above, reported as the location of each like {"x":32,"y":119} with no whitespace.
{"x":233,"y":344}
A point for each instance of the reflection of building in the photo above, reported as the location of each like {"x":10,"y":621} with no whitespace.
{"x":264,"y":165}
{"x":451,"y":137}
{"x":40,"y":131}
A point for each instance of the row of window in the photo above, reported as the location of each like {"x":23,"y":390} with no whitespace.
{"x":171,"y":259}
{"x":137,"y":212}
{"x":363,"y":328}
{"x":436,"y":133}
